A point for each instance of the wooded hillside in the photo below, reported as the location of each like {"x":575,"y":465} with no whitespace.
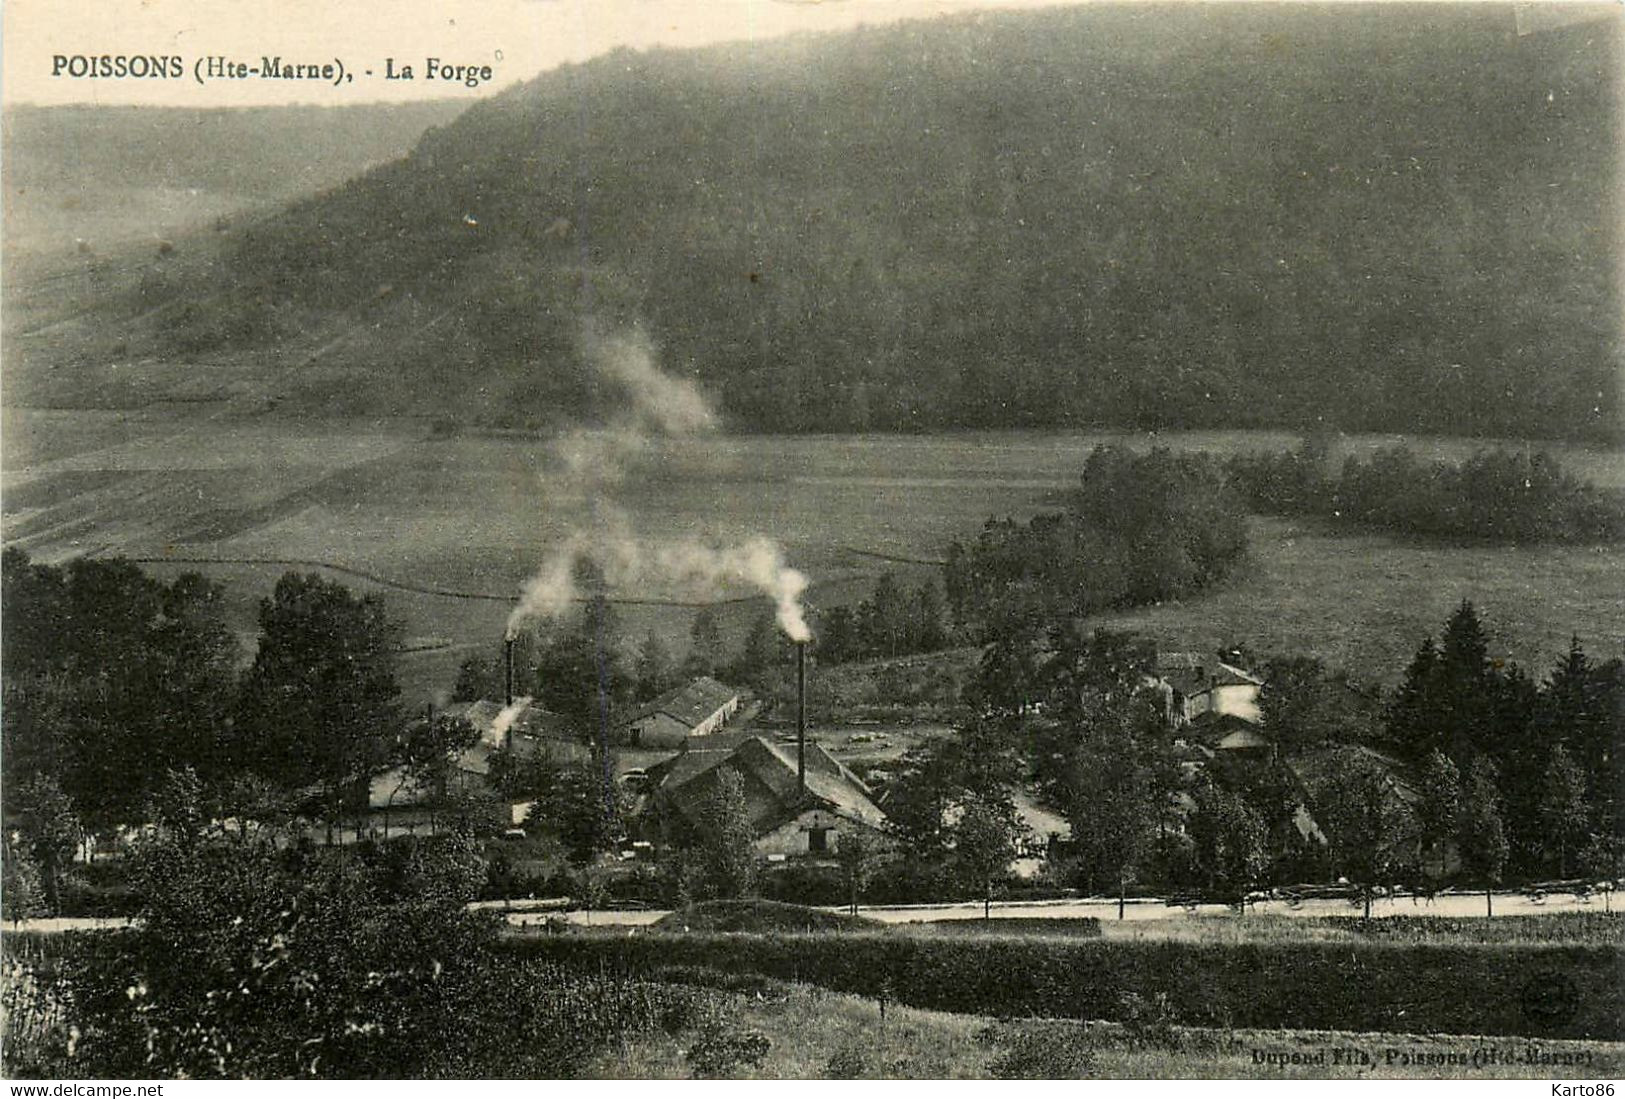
{"x":1395,"y":219}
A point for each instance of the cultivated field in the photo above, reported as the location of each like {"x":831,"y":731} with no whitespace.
{"x":468,"y":517}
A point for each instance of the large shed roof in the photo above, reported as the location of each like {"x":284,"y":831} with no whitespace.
{"x":690,"y":704}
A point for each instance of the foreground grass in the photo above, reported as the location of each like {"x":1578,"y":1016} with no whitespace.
{"x":816,"y":1034}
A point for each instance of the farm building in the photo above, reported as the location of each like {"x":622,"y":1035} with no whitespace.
{"x":785,"y":819}
{"x":696,"y":709}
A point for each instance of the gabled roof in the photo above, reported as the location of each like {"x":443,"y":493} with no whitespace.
{"x":1192,"y":673}
{"x":685,"y":765}
{"x":1313,"y":769}
{"x":690,"y":704}
{"x":1241,"y":739}
{"x":687,"y":781}
{"x":1212,"y":728}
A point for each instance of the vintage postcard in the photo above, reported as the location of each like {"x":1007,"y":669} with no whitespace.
{"x":873,"y":539}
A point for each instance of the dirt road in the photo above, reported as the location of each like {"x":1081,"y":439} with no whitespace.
{"x":1445,"y":904}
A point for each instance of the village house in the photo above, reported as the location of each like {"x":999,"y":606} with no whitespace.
{"x":785,"y":819}
{"x":1198,"y":685}
{"x":696,"y":709}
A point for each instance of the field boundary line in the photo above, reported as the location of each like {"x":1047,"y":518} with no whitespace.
{"x":444,"y":593}
{"x":898,"y":558}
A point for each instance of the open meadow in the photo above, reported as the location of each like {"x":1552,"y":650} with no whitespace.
{"x":448,"y":526}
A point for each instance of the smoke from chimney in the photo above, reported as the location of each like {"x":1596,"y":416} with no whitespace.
{"x":502,"y":725}
{"x":588,"y":466}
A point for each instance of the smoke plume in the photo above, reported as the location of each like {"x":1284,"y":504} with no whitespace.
{"x":505,"y":718}
{"x":588,"y":466}
{"x":668,"y":405}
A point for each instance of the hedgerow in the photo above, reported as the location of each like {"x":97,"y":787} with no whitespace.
{"x":1075,"y":927}
{"x":1586,"y":927}
{"x":1550,"y":991}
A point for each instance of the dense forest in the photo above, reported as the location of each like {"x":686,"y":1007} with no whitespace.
{"x":1157,"y":216}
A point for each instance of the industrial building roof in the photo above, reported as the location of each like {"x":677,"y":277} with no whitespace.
{"x":690,"y":704}
{"x":686,"y":782}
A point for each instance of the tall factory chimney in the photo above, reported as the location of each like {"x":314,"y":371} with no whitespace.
{"x":507,"y":660}
{"x":801,"y":717}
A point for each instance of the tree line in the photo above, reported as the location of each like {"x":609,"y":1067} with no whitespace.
{"x":117,"y":686}
{"x":892,"y":621}
{"x":1493,"y":496}
{"x":589,"y":670}
{"x":1140,"y":528}
{"x":1548,"y":749}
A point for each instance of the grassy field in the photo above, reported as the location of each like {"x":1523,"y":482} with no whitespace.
{"x":474,"y":514}
{"x":817,"y":1034}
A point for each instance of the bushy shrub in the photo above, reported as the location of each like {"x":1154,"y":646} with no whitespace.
{"x":723,"y":1045}
{"x":1038,"y":1050}
{"x":37,"y":1038}
{"x":1148,"y":1020}
{"x":798,"y":883}
{"x":99,"y":889}
{"x":22,"y":890}
{"x":848,"y":1063}
{"x":249,"y":963}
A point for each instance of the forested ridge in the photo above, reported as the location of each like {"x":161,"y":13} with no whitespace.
{"x":1184,"y":216}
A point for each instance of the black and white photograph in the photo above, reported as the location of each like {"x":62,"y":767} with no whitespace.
{"x":852,"y":540}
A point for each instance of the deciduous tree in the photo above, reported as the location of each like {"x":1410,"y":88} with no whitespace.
{"x":985,"y":839}
{"x":1437,"y":813}
{"x":705,"y":652}
{"x":1366,"y":823}
{"x":1229,"y":842}
{"x":320,"y":705}
{"x":858,"y":855}
{"x":725,"y":842}
{"x":1482,"y":837}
